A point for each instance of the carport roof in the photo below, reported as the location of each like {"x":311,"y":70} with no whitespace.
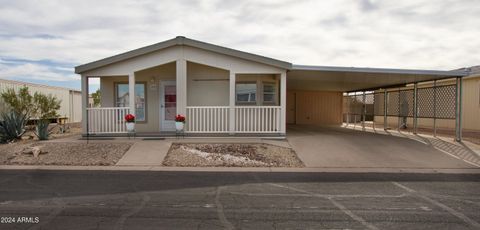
{"x":351,"y":78}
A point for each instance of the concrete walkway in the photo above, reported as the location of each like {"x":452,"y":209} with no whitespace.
{"x":346,"y":148}
{"x":145,"y":153}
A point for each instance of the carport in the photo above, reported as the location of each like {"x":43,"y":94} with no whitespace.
{"x":326,"y":95}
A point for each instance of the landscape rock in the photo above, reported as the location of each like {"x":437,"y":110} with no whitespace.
{"x":34,"y":150}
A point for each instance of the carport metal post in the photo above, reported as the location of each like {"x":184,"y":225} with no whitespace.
{"x":399,"y":110}
{"x":415,"y":107}
{"x":364,"y":110}
{"x":385,"y":104}
{"x":435,"y":108}
{"x":458,"y":110}
{"x":348,"y":109}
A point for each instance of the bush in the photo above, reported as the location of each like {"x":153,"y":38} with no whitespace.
{"x":41,"y":130}
{"x":24,"y":106}
{"x":12,"y":126}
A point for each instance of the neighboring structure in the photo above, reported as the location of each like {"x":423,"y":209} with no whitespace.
{"x":221,"y":90}
{"x":71,"y":100}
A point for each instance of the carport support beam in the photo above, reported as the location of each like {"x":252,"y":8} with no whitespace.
{"x":415,"y":107}
{"x":385,"y":104}
{"x":435,"y":108}
{"x":458,"y":108}
{"x":364,"y":110}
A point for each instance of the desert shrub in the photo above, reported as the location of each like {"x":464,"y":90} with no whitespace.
{"x":12,"y":126}
{"x":41,"y":130}
{"x":25,"y":106}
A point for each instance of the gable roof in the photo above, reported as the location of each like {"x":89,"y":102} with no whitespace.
{"x":182,"y":41}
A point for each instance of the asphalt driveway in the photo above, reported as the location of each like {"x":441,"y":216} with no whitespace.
{"x":346,"y":148}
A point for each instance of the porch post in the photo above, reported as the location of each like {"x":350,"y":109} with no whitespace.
{"x":231,"y":117}
{"x":131,"y":92}
{"x":283,"y":103}
{"x":84,"y":104}
{"x":181,"y":86}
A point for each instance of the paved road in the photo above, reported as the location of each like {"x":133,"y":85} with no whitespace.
{"x":228,"y":200}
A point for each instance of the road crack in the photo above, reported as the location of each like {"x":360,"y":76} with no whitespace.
{"x":221,"y":214}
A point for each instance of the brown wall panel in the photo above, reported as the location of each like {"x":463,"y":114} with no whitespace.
{"x":316,"y":107}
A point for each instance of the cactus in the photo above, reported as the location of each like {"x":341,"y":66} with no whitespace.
{"x":12,"y":126}
{"x":41,"y":130}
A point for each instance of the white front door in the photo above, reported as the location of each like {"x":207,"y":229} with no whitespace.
{"x":168,"y":105}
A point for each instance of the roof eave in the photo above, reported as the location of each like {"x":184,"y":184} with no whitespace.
{"x":181,"y":41}
{"x":453,"y":73}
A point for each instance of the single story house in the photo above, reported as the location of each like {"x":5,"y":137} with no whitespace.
{"x":226,"y":91}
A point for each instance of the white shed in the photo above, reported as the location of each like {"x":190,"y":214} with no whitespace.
{"x":71,"y":99}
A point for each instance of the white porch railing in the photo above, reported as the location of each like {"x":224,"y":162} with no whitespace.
{"x":207,"y":119}
{"x":107,"y":120}
{"x":257,"y":119}
{"x":248,"y":119}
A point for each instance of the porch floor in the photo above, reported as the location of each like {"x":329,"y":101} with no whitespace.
{"x":174,"y":134}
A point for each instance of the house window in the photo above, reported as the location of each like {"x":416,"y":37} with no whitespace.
{"x":246,"y":92}
{"x":122,"y":99}
{"x":269,"y":92}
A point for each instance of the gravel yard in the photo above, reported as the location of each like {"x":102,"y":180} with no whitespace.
{"x":64,"y":153}
{"x":231,"y":155}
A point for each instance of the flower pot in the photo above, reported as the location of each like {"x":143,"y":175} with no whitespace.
{"x":130,"y":126}
{"x":179,"y":126}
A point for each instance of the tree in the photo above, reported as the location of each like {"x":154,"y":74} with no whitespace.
{"x":46,"y":106}
{"x":96,"y":98}
{"x":21,"y":103}
{"x":23,"y":106}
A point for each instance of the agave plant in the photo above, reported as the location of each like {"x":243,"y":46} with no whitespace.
{"x":41,"y":130}
{"x":12,"y":126}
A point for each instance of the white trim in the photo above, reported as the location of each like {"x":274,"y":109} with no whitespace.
{"x":380,"y":70}
{"x":163,"y":125}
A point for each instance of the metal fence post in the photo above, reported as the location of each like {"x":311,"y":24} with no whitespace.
{"x":415,"y":107}
{"x":385,"y":104}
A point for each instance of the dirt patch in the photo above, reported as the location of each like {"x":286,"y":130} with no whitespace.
{"x":64,"y":153}
{"x":231,"y":155}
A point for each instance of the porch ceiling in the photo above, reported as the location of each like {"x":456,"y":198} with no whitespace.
{"x":351,"y":79}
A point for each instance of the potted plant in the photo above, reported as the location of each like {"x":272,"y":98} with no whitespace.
{"x":179,"y":122}
{"x":130,"y":122}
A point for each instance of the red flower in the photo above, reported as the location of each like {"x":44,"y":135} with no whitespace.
{"x":180,"y":118}
{"x":129,"y":118}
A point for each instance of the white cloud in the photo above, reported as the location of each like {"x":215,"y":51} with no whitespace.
{"x":34,"y":72}
{"x":431,"y":34}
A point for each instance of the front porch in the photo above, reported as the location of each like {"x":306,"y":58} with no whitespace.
{"x":215,"y":101}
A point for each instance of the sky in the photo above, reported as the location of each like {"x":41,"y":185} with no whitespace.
{"x":42,"y":41}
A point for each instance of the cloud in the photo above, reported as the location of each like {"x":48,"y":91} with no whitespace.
{"x":14,"y":69}
{"x":53,"y":37}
